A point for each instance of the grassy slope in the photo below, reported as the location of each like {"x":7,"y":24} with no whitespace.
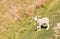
{"x":25,"y":29}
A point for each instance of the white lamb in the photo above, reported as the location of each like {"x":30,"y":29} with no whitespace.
{"x":41,"y":21}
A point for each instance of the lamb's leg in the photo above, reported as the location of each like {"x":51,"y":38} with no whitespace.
{"x":48,"y":26}
{"x":39,"y":28}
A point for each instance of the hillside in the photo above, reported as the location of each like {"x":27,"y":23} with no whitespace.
{"x":16,"y":19}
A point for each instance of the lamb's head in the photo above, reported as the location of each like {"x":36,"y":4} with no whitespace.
{"x":35,"y":18}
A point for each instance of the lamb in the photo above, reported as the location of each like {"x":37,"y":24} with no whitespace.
{"x":39,"y":21}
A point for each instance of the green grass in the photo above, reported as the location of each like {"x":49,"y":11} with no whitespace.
{"x":25,"y":28}
{"x":43,"y":34}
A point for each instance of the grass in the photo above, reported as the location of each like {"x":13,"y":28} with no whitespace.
{"x":24,"y":27}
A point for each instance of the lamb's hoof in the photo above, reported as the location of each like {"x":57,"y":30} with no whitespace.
{"x":39,"y":30}
{"x":47,"y":29}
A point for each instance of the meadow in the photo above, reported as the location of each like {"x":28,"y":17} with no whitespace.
{"x":16,"y":19}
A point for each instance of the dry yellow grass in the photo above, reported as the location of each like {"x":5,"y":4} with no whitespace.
{"x":16,"y":21}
